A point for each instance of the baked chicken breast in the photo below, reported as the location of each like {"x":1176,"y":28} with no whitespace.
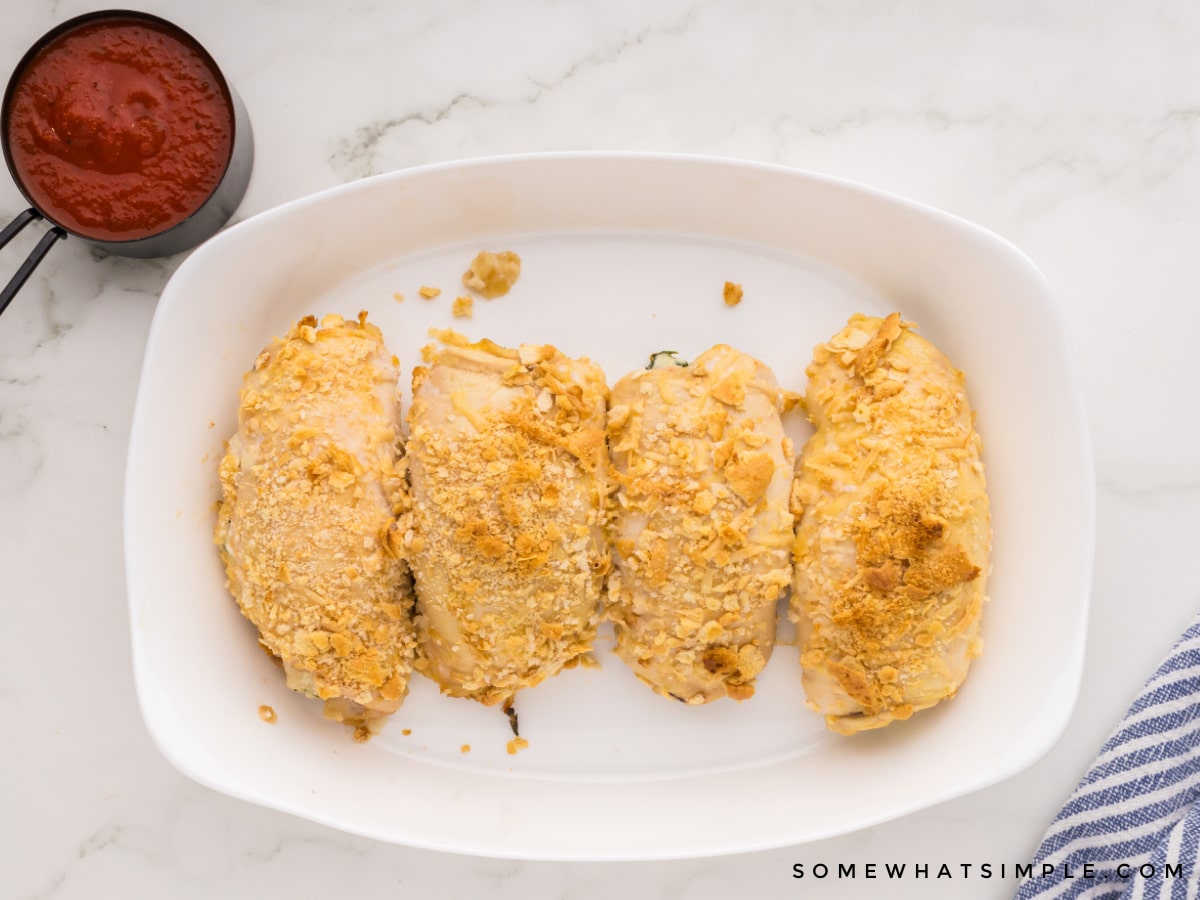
{"x":701,"y":525}
{"x":893,"y":534}
{"x":311,"y":485}
{"x":506,"y":536}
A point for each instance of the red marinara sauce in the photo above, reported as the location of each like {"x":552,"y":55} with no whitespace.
{"x":119,"y":129}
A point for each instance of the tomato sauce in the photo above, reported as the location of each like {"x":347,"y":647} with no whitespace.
{"x":119,"y":129}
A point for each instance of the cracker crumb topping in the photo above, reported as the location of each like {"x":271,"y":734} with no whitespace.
{"x":311,"y":483}
{"x":509,"y":479}
{"x":701,"y":523}
{"x":892,"y":546}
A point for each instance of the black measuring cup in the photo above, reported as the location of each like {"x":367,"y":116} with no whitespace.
{"x":199,"y":225}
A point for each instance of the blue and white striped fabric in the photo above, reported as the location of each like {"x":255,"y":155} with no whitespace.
{"x":1132,"y":827}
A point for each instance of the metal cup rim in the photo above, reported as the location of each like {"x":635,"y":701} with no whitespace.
{"x":139,"y":246}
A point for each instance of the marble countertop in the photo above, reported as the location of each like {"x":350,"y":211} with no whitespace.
{"x":1068,"y":128}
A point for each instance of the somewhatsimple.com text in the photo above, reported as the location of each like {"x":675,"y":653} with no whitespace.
{"x":1110,"y":872}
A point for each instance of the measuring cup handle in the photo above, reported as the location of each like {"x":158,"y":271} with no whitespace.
{"x":35,"y":256}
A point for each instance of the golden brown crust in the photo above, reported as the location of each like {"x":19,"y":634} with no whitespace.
{"x":509,"y":475}
{"x":311,"y":483}
{"x":701,"y":523}
{"x":893,"y":536}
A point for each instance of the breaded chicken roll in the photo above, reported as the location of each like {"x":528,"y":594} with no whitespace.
{"x":701,"y":524}
{"x":893,"y":538}
{"x":506,"y":539}
{"x":311,"y":484}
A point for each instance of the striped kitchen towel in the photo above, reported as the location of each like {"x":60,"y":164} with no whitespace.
{"x":1132,"y":827}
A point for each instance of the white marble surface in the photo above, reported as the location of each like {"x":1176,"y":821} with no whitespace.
{"x":1069,"y":128}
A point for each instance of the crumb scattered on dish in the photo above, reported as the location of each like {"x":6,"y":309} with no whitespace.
{"x":463,"y":307}
{"x":406,"y":731}
{"x":429,"y":292}
{"x":398,"y":297}
{"x":492,"y":274}
{"x":733,"y":293}
{"x":267,"y":714}
{"x":516,"y":745}
{"x":465,"y":748}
